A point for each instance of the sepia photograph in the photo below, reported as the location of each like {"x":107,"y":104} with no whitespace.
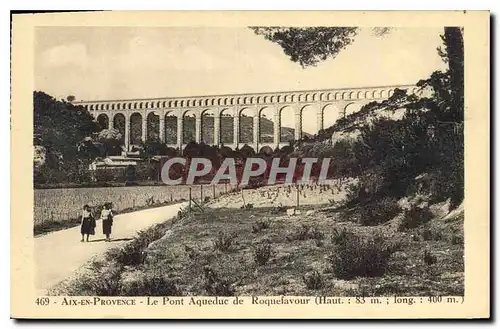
{"x":285,"y":163}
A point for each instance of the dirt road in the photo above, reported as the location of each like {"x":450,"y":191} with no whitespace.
{"x":59,"y":254}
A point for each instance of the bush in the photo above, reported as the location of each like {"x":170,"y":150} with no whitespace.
{"x":429,"y":259}
{"x":319,"y":242}
{"x":262,"y":254}
{"x":352,"y":192}
{"x":316,"y":234}
{"x":378,"y":212}
{"x":457,"y":239}
{"x":278,"y":209}
{"x":261,"y":224}
{"x":431,"y":235}
{"x":414,"y":217}
{"x":101,"y":280}
{"x":148,"y":284}
{"x":132,"y":253}
{"x":306,"y":232}
{"x":223,"y":241}
{"x":215,"y":285}
{"x":302,"y":232}
{"x":357,"y":256}
{"x":191,"y":252}
{"x":339,"y":236}
{"x":248,"y":206}
{"x":313,"y":281}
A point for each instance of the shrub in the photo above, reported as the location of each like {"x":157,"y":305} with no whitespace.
{"x":215,"y":285}
{"x":262,"y":254}
{"x":457,"y":239}
{"x":313,"y":281}
{"x":340,"y":236}
{"x":191,"y":252}
{"x":430,"y":235}
{"x":223,"y":241}
{"x":302,"y":232}
{"x":378,"y":212}
{"x":278,"y":209}
{"x":427,"y":234}
{"x":148,"y":284}
{"x":357,"y":256}
{"x":414,"y":217}
{"x":260,"y":225}
{"x":102,"y":280}
{"x":132,"y":253}
{"x":352,"y":192}
{"x":316,"y":234}
{"x":319,"y":242}
{"x":248,"y":206}
{"x":306,"y":232}
{"x":429,"y":259}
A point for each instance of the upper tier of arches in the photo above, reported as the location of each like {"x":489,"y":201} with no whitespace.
{"x":374,"y":93}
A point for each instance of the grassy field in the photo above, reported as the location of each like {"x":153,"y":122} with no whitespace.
{"x":60,"y":208}
{"x":320,"y":250}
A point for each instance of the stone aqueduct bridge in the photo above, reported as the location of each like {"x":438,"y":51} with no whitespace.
{"x":322,"y":106}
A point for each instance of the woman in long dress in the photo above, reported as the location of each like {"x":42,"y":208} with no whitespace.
{"x":88,"y":223}
{"x":107,"y":220}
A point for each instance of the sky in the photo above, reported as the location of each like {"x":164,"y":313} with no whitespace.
{"x":98,"y":63}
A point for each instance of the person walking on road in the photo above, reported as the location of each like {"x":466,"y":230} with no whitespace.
{"x":88,"y":223}
{"x":107,"y":220}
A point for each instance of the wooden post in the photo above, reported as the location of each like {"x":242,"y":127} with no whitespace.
{"x":225,"y":188}
{"x":243,"y":198}
{"x":298,"y":196}
{"x":201,"y":193}
{"x":213,"y":190}
{"x":189,"y":207}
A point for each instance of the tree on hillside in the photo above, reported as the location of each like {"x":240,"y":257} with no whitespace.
{"x":391,"y":153}
{"x":110,"y":140}
{"x":60,"y":128}
{"x":154,"y":147}
{"x":453,"y":54}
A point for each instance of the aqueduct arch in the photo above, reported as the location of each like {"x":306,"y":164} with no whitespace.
{"x":103,"y":121}
{"x":234,"y":120}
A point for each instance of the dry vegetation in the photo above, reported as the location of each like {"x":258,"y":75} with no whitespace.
{"x":321,"y":250}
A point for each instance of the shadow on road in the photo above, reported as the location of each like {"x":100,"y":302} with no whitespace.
{"x":112,"y":240}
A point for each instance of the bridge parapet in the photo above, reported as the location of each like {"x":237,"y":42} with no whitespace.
{"x":208,"y":101}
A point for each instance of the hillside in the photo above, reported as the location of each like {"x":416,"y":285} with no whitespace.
{"x":274,"y":249}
